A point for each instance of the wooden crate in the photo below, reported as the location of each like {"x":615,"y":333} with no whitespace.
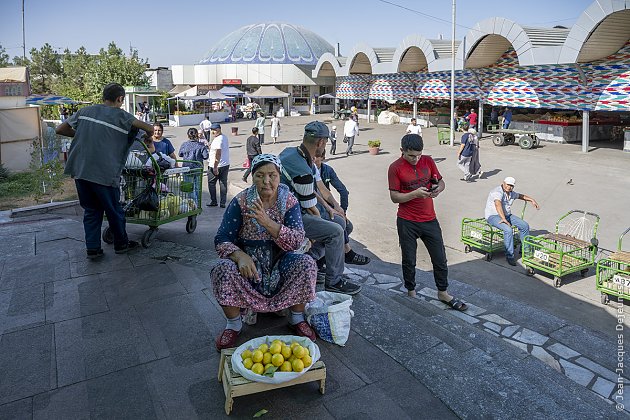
{"x":234,"y":385}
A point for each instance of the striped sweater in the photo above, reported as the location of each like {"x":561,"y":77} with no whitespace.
{"x":297,"y":174}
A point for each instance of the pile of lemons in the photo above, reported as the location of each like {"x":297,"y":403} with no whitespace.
{"x":278,"y":356}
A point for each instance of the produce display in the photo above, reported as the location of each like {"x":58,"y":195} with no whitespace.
{"x":279,"y":355}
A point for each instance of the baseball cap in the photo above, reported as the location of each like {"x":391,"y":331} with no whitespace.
{"x":316,"y":129}
{"x":215,"y":126}
{"x":510,"y":181}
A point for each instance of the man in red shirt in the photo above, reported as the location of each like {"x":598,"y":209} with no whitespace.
{"x":472,"y":119}
{"x":414,"y":181}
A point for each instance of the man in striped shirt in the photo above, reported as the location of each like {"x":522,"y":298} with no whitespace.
{"x":96,"y":159}
{"x":297,"y":174}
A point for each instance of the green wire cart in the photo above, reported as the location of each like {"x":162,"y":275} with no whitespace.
{"x":613,"y":274}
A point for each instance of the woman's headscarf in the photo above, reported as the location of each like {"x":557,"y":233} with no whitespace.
{"x":264,"y":159}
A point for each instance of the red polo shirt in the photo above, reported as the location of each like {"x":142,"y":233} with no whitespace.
{"x":405,"y":177}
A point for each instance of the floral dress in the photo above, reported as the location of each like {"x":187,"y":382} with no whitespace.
{"x":285,"y":278}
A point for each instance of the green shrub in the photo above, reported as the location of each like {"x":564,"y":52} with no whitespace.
{"x":4,"y":172}
{"x":374,"y":143}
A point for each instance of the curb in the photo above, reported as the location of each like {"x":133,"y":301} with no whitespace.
{"x":42,"y":208}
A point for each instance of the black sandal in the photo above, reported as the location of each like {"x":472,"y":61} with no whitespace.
{"x":352,"y":257}
{"x":456,"y":304}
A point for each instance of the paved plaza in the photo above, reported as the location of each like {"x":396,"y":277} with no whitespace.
{"x":132,"y":336}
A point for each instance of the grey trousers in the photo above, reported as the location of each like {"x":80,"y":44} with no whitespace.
{"x":464,"y":165}
{"x":328,"y":237}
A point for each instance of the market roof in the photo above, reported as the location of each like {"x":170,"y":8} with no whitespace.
{"x":267,"y":92}
{"x":13,"y":74}
{"x":269,"y":43}
{"x":51,"y":100}
{"x":231,"y":91}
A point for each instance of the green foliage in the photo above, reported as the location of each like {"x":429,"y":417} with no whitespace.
{"x":4,"y":172}
{"x":374,"y":143}
{"x":4,"y":57}
{"x":45,"y":68}
{"x":15,"y":185}
{"x":46,"y":178}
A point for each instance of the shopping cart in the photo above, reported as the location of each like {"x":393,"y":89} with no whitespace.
{"x":570,"y":249}
{"x":613,"y":274}
{"x":179,"y":190}
{"x":478,"y":234}
{"x":444,"y":133}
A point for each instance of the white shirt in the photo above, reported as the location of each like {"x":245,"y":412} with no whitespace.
{"x":220,"y":142}
{"x":350,"y":128}
{"x":414,"y":129}
{"x":205,"y":125}
{"x":506,"y":201}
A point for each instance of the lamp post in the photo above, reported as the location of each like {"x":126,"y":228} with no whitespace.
{"x":23,"y":34}
{"x":453,"y":76}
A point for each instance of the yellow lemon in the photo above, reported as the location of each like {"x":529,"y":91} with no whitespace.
{"x":267,"y":366}
{"x":247,"y":354}
{"x":299,"y":351}
{"x":276,"y":341}
{"x":248,"y":363}
{"x":297,"y":365}
{"x":286,"y":352}
{"x":263,"y":347}
{"x":277,"y":359}
{"x":293,"y":344}
{"x":266,"y":358}
{"x":307,"y":360}
{"x":286,"y":367}
{"x":307,"y":352}
{"x":257,"y":356}
{"x":258,"y":368}
{"x":275,"y":348}
{"x":292,"y":358}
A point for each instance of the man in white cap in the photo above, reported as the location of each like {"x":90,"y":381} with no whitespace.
{"x":498,"y":213}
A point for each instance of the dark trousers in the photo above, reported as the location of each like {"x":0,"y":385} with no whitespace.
{"x":96,"y":199}
{"x":333,"y":146}
{"x":431,"y":235}
{"x":249,"y":169}
{"x":261,"y":137}
{"x":212,"y":184}
{"x":350,"y":144}
{"x":206,"y":134}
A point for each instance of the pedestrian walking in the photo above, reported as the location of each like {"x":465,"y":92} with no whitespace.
{"x":218,"y":166}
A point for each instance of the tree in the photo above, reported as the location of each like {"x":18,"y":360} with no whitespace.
{"x":74,"y":68}
{"x":4,"y":57}
{"x":45,"y":68}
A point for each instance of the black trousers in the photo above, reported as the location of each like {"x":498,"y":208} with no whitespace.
{"x":212,"y":184}
{"x":431,"y":235}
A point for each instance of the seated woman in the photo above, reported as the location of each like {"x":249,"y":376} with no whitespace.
{"x":258,"y":270}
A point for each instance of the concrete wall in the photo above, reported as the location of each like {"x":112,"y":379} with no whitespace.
{"x":18,"y":128}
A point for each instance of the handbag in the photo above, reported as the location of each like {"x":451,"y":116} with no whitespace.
{"x":345,"y":139}
{"x":148,"y":199}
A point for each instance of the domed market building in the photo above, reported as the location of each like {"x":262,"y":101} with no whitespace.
{"x":270,"y":55}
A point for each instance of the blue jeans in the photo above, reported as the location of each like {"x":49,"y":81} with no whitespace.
{"x":508,"y":233}
{"x":97,"y":199}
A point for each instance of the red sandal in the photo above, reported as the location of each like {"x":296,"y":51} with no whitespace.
{"x":303,"y":330}
{"x":227,"y":339}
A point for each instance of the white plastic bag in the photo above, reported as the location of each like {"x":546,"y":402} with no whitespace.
{"x":278,"y":377}
{"x":329,"y":315}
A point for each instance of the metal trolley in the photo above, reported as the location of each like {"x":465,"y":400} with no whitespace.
{"x":570,"y":249}
{"x":613,"y":273}
{"x":478,"y":234}
{"x":179,"y":190}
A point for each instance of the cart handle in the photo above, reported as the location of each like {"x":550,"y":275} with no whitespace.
{"x":621,"y":239}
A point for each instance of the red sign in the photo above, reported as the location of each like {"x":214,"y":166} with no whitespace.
{"x":232,"y":82}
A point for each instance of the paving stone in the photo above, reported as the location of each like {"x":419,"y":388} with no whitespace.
{"x":375,"y":404}
{"x":193,"y":279}
{"x":67,"y":244}
{"x":576,"y":373}
{"x":110,"y":263}
{"x":563,"y":351}
{"x":358,"y":271}
{"x":540,"y":354}
{"x":18,"y":410}
{"x":518,"y":344}
{"x":530,"y":337}
{"x":21,"y":308}
{"x":180,"y":324}
{"x":19,"y":245}
{"x":73,"y":298}
{"x":462,"y":316}
{"x":496,"y":319}
{"x":509,"y":331}
{"x":122,"y":394}
{"x":425,"y":291}
{"x":99,"y":344}
{"x":139,"y":285}
{"x":474,"y":310}
{"x":599,"y":369}
{"x":491,"y":332}
{"x":493,"y":327}
{"x":594,"y":344}
{"x":28,"y":271}
{"x":370,"y":280}
{"x":603,"y":387}
{"x":27,"y":363}
{"x":385,"y":278}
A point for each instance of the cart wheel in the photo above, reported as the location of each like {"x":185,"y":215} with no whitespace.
{"x":557,"y":282}
{"x":191,"y":224}
{"x":489,"y":256}
{"x":583,"y":272}
{"x":147,"y":237}
{"x":526,"y":142}
{"x":530,"y":271}
{"x":605,"y":299}
{"x":509,"y":138}
{"x":467,"y":249}
{"x":498,"y":140}
{"x":108,"y":236}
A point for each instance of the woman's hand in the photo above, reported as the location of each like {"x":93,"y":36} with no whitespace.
{"x":246,"y":266}
{"x":257,"y":211}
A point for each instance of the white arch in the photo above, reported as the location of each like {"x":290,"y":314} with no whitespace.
{"x":503,"y":27}
{"x":358,"y":49}
{"x":414,"y":40}
{"x":586,"y":24}
{"x":327,"y":58}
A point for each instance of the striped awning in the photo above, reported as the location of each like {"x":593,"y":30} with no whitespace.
{"x":51,"y":100}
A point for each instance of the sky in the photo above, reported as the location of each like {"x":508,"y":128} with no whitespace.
{"x":182,"y":32}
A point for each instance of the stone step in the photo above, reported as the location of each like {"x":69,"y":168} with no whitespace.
{"x":475,"y":373}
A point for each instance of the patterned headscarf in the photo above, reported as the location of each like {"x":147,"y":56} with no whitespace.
{"x":263,"y":159}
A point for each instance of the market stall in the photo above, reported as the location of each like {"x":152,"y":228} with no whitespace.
{"x":199,"y":109}
{"x":268,"y":92}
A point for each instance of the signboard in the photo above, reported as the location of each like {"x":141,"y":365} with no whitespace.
{"x":232,"y":81}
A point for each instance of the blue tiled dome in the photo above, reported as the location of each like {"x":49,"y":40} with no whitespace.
{"x":268,"y":43}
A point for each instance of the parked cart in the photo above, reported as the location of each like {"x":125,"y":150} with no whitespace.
{"x":478,"y":234}
{"x":504,"y":136}
{"x":572,"y":248}
{"x":178,"y":189}
{"x":613,"y":273}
